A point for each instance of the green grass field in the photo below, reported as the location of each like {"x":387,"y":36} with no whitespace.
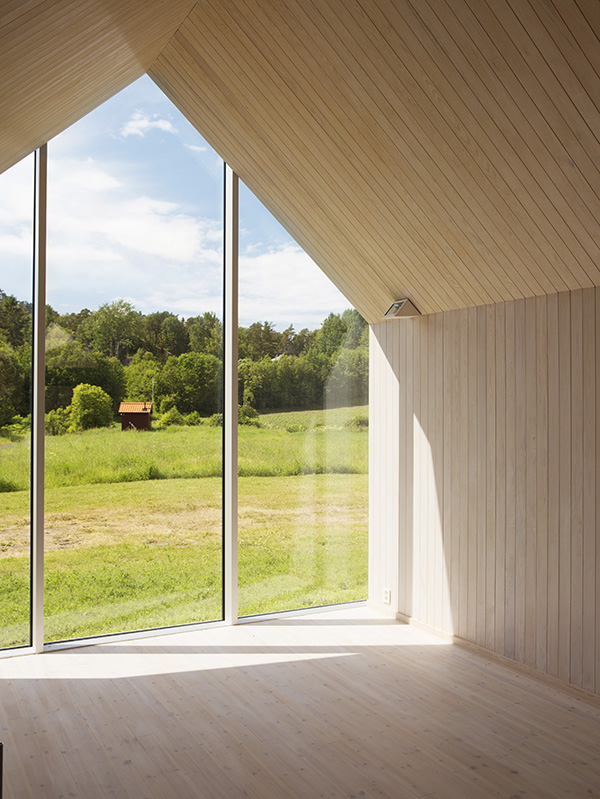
{"x":133,"y":537}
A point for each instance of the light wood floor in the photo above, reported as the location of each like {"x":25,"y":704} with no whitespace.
{"x":337,"y":704}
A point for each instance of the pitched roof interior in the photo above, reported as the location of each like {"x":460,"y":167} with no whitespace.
{"x":444,"y":151}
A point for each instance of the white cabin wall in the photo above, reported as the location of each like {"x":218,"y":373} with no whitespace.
{"x":485,"y":441}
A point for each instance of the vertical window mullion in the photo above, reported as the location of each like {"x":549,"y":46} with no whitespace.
{"x":38,"y":391}
{"x":230,"y":415}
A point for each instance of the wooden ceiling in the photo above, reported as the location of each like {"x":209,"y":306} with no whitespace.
{"x":444,"y":150}
{"x":60,"y":59}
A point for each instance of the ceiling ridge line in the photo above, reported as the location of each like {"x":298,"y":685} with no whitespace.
{"x":175,"y":33}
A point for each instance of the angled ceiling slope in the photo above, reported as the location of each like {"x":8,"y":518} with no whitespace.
{"x":447,"y":151}
{"x":60,"y":59}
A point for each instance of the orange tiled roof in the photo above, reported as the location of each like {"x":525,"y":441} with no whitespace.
{"x":135,"y":407}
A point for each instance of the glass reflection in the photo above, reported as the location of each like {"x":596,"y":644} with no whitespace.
{"x":16,"y":255}
{"x":303,"y":449}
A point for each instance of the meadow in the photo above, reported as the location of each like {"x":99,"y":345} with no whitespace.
{"x":133,"y":524}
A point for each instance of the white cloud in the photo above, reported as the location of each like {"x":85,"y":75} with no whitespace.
{"x":82,"y":177}
{"x":284,"y":285}
{"x":107,"y":240}
{"x":141,"y":122}
{"x":110,"y":238}
{"x":16,"y":229}
{"x":16,"y":194}
{"x":196,"y":148}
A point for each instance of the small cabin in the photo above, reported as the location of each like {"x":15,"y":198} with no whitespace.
{"x":135,"y":415}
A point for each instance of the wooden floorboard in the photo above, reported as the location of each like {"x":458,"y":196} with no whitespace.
{"x":344,"y":703}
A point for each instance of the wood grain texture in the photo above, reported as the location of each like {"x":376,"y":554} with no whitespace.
{"x":60,"y":59}
{"x":519,"y":434}
{"x":339,"y":704}
{"x":444,"y":151}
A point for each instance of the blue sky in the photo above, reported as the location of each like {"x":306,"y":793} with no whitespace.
{"x":135,"y":212}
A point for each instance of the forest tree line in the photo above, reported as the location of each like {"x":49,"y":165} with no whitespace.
{"x":135,"y":356}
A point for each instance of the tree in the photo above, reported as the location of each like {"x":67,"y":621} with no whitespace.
{"x":143,"y":369}
{"x":174,"y":336}
{"x":69,"y":365}
{"x":71,"y":321}
{"x":356,"y":328}
{"x":91,"y":407}
{"x":15,"y":320}
{"x":206,"y":334}
{"x":260,"y":340}
{"x":151,"y":330}
{"x":113,"y":330}
{"x":331,"y":335}
{"x":193,"y":380}
{"x":258,"y":384}
{"x":348,"y":381}
{"x":292,"y":343}
{"x":12,"y":381}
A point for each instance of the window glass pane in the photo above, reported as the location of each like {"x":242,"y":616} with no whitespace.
{"x":133,"y":372}
{"x":16,"y":258}
{"x":303,"y":439}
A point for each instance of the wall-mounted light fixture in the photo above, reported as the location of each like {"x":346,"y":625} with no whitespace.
{"x":401,"y":309}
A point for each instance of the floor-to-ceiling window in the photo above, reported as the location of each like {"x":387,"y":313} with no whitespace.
{"x":134,"y":371}
{"x":132,"y":520}
{"x":303,"y":434}
{"x":16,"y":298}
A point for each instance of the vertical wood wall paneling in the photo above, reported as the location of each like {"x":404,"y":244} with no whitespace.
{"x":499,"y":435}
{"x":394,"y":431}
{"x":530,"y":530}
{"x":509,"y":433}
{"x":387,"y":485}
{"x":520,"y":480}
{"x":409,"y":377}
{"x":540,"y":629}
{"x":431,"y":500}
{"x":428,"y":565}
{"x":454,"y":357}
{"x":564,"y":508}
{"x":418,"y":397}
{"x":481,"y":475}
{"x":590,"y":455}
{"x":597,"y":519}
{"x":403,"y":473}
{"x":553,"y":593}
{"x":490,"y":520}
{"x":501,"y":448}
{"x":441,"y":593}
{"x":576,"y":488}
{"x":472,"y":466}
{"x":447,"y":441}
{"x":463,"y":483}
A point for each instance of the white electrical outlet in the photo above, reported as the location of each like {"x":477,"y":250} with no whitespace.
{"x":387,"y":596}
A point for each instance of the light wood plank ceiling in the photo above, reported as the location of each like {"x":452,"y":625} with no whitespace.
{"x":60,"y":59}
{"x":444,"y":150}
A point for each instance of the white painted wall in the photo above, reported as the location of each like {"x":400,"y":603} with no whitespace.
{"x":485,"y":442}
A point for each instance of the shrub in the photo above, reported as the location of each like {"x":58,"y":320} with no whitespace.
{"x":172,"y":416}
{"x":192,"y":419}
{"x":247,"y":415}
{"x":359,"y":422}
{"x":18,"y":427}
{"x":7,"y":485}
{"x":296,"y":428}
{"x":91,"y":407}
{"x":167,"y":403}
{"x":58,"y":421}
